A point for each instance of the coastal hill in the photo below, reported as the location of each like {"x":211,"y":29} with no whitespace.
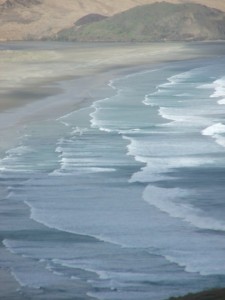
{"x":216,"y":294}
{"x":37,"y":19}
{"x":152,"y":23}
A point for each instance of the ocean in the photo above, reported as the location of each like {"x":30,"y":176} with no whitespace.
{"x":123,"y":199}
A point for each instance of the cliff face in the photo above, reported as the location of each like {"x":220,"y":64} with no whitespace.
{"x":35,"y":19}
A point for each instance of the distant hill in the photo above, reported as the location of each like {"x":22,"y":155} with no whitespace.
{"x":154,"y":22}
{"x":91,"y":18}
{"x":35,"y":19}
{"x":216,"y":294}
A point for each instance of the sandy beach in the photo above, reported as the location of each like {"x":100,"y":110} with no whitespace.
{"x":33,"y":86}
{"x":33,"y":74}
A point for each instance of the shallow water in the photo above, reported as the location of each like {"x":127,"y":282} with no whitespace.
{"x":126,"y":196}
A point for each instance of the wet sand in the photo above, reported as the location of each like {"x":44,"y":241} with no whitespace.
{"x":34,"y":75}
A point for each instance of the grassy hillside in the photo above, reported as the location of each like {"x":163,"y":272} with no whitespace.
{"x":35,"y":19}
{"x":217,"y":294}
{"x":154,"y":22}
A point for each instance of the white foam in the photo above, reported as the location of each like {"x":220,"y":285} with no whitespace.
{"x":66,"y":171}
{"x":170,"y":202}
{"x":215,"y":132}
{"x":119,"y":277}
{"x":156,"y":168}
{"x":70,"y":164}
{"x":147,"y":100}
{"x":112,"y":85}
{"x":168,"y":114}
{"x":171,"y":156}
{"x":79,"y":130}
{"x":59,"y":149}
{"x":206,"y":86}
{"x":18,"y":151}
{"x":15,"y":169}
{"x":201,"y":263}
{"x":14,"y":161}
{"x":65,"y":123}
{"x":171,"y":82}
{"x":58,"y":172}
{"x":182,"y":117}
{"x":219,"y":86}
{"x":101,"y":124}
{"x":214,"y":129}
{"x":95,"y":123}
{"x":184,"y":95}
{"x":221,"y":102}
{"x":176,"y":79}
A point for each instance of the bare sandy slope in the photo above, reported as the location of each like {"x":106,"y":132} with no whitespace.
{"x":23,"y":19}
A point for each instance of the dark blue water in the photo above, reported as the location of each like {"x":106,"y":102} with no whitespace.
{"x":126,"y":197}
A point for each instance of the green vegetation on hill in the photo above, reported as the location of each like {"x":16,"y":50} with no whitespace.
{"x":154,"y":22}
{"x":216,"y":294}
{"x":88,"y":19}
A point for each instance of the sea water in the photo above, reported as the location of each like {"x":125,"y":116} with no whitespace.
{"x":126,"y":197}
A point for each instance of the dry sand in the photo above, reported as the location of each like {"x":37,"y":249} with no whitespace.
{"x":41,"y":66}
{"x":33,"y":73}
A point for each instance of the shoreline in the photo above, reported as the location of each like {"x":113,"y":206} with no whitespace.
{"x":29,"y":99}
{"x":34,"y":79}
